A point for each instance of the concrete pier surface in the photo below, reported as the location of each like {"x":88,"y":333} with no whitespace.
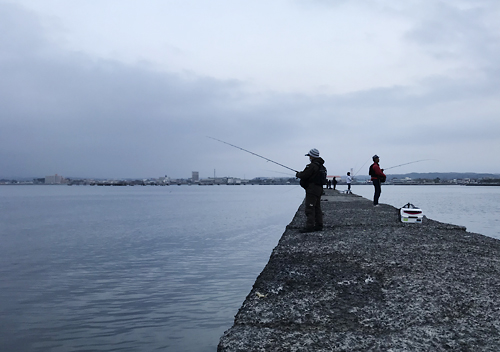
{"x":368,"y":282}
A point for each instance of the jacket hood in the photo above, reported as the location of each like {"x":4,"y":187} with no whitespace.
{"x":318,"y":161}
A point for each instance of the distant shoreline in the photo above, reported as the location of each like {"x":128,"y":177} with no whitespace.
{"x":442,"y":184}
{"x":483,"y":184}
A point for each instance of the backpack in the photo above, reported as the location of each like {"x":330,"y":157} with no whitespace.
{"x":370,"y":170}
{"x":372,"y":174}
{"x":320,"y":177}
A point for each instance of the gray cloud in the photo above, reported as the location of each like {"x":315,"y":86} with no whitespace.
{"x":64,"y":112}
{"x":108,"y":119}
{"x":460,"y":31}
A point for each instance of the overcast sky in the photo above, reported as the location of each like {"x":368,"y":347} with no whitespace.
{"x":126,"y":88}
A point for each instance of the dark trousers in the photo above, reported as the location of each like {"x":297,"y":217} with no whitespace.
{"x":314,"y":215}
{"x":378,"y":190}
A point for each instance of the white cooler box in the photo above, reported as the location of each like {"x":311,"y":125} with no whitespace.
{"x":410,"y":214}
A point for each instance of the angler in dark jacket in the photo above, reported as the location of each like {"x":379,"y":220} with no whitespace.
{"x":314,"y":190}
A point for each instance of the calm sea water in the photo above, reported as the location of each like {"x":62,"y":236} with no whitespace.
{"x":132,"y":268}
{"x":158,"y":268}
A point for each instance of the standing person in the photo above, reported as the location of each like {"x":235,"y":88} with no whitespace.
{"x":310,"y":181}
{"x":334,"y":182}
{"x":378,"y":177}
{"x":349,"y":181}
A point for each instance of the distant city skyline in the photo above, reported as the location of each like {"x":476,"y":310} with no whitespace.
{"x":58,"y":179}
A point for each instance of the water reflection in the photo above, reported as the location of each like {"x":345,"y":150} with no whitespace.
{"x":134,"y":269}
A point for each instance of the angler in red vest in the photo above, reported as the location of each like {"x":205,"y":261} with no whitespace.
{"x":378,"y":177}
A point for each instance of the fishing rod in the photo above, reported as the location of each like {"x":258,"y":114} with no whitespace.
{"x":279,"y":172}
{"x":411,"y":162}
{"x":357,"y":172}
{"x":260,"y":156}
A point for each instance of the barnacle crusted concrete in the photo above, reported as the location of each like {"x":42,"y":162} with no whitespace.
{"x":370,"y":283}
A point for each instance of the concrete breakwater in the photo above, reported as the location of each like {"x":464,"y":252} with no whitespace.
{"x":368,"y":282}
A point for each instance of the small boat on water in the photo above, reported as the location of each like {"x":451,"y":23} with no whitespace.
{"x":410,"y":214}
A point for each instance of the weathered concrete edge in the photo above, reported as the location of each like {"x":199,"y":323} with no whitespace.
{"x":336,"y":316}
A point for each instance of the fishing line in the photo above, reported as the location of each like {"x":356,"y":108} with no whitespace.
{"x":360,"y":168}
{"x":291,"y":189}
{"x":411,"y":162}
{"x":260,"y":156}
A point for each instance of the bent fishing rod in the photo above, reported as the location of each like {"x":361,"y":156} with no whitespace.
{"x":260,"y":156}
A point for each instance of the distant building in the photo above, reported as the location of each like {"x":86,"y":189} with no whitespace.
{"x":164,"y":180}
{"x":195,"y":176}
{"x":54,"y":180}
{"x":234,"y":181}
